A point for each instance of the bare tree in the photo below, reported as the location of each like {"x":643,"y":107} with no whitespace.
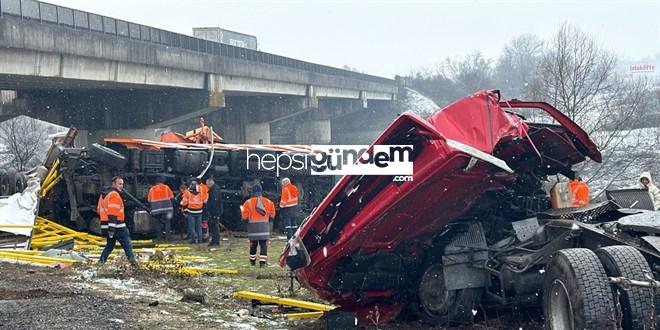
{"x":471,"y":73}
{"x":517,"y":66}
{"x":23,"y":137}
{"x":579,"y":77}
{"x":575,"y":73}
{"x":434,"y":84}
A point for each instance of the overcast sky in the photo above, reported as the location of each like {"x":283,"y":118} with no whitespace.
{"x":393,"y":37}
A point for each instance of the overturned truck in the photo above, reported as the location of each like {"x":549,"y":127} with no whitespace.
{"x":83,"y":172}
{"x":475,"y":228}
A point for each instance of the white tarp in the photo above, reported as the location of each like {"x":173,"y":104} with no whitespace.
{"x":21,"y":208}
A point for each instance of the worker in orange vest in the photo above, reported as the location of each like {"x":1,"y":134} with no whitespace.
{"x":102,"y":212}
{"x":204,"y":190}
{"x":258,"y":210}
{"x":114,"y":207}
{"x":289,"y":207}
{"x":579,"y":192}
{"x":194,"y":208}
{"x":160,"y":199}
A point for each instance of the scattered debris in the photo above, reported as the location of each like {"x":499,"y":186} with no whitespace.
{"x":190,"y":295}
{"x":263,"y":298}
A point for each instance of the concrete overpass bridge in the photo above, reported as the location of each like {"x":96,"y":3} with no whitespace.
{"x":110,"y":76}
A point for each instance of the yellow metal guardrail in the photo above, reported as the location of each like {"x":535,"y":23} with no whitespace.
{"x":283,"y":301}
{"x":51,"y":179}
{"x":33,"y":258}
{"x":48,"y":232}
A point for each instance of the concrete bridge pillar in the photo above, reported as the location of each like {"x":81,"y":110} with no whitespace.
{"x":314,"y":132}
{"x":311,"y":100}
{"x":216,"y":90}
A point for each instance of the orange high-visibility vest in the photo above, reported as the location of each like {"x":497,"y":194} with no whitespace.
{"x":579,"y":192}
{"x":249,"y":211}
{"x":160,"y":197}
{"x":289,"y":196}
{"x":194,"y":203}
{"x":101,"y":209}
{"x":204,"y":191}
{"x":114,"y":206}
{"x":160,"y":192}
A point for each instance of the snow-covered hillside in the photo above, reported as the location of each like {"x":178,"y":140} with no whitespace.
{"x":418,"y":103}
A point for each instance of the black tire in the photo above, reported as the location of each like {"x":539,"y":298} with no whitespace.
{"x":107,"y":156}
{"x":636,"y":302}
{"x":4,"y":183}
{"x":12,"y":178}
{"x":577,"y":293}
{"x":436,"y":305}
{"x":21,"y":182}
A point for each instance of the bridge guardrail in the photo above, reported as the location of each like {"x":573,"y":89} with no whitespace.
{"x":77,"y":19}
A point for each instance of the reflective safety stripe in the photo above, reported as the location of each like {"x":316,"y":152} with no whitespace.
{"x":253,"y":257}
{"x":263,"y":258}
{"x":117,"y":225}
{"x":162,"y":210}
{"x":259,"y":234}
{"x":194,"y":211}
{"x":104,"y":226}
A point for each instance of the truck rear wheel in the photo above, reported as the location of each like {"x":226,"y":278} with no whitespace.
{"x":4,"y":183}
{"x":577,"y":293}
{"x":636,"y":302}
{"x":438,"y":306}
{"x":14,"y":181}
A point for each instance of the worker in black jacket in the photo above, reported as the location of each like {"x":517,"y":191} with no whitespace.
{"x":214,"y":210}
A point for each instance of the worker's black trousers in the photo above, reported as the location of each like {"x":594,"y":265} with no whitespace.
{"x":164,"y":225}
{"x":214,"y":230}
{"x":263,"y":253}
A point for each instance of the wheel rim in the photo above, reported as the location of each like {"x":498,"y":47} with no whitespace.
{"x":433,"y":296}
{"x":561,"y":310}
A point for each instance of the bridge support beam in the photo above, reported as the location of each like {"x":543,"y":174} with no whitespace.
{"x":112,"y":109}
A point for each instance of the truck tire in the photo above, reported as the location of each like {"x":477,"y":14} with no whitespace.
{"x":436,"y":305}
{"x":636,"y":302}
{"x":4,"y":183}
{"x":13,"y":178}
{"x":107,"y":156}
{"x":21,"y":182}
{"x":577,"y":293}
